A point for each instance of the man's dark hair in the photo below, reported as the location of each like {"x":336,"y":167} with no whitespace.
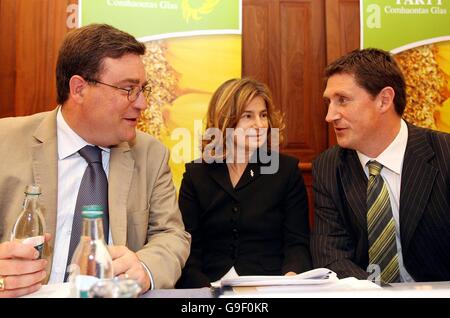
{"x":373,"y":69}
{"x":83,"y":51}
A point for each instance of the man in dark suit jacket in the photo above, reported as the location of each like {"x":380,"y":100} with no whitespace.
{"x":365,"y":94}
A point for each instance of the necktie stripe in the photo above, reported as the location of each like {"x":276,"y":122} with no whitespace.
{"x":375,"y":168}
{"x":375,"y":192}
{"x":382,"y":202}
{"x":378,"y":253}
{"x":387,"y":257}
{"x":391,"y":270}
{"x":381,"y":226}
{"x":376,"y":227}
{"x":370,"y":187}
{"x":373,"y":183}
{"x":382,"y":242}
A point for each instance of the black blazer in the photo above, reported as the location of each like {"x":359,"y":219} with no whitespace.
{"x":339,"y":239}
{"x":260,"y":227}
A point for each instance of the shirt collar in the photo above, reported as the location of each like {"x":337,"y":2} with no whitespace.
{"x":392,"y":156}
{"x":69,"y":142}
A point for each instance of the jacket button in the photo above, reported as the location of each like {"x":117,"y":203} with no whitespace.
{"x":233,"y":251}
{"x":235,"y":209}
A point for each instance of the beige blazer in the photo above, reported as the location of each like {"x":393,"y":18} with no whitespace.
{"x":143,"y":208}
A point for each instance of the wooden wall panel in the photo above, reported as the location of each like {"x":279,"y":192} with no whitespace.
{"x":7,"y":57}
{"x":256,"y":40}
{"x":342,"y":23}
{"x":31,"y":35}
{"x":38,"y":41}
{"x":343,"y":32}
{"x":284,"y":46}
{"x":260,"y":47}
{"x":302,"y":60}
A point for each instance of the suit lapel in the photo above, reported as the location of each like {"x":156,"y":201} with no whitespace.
{"x":120,"y":175}
{"x":45,"y":173}
{"x":417,"y":182}
{"x":250,"y":174}
{"x":252,"y":171}
{"x":219,"y":173}
{"x":354,"y":183}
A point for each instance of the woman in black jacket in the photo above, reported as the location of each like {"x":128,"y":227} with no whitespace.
{"x":243,"y":202}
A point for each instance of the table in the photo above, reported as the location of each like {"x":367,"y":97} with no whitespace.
{"x":361,"y":289}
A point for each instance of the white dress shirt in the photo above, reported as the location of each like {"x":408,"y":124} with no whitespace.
{"x":392,"y":160}
{"x":71,"y":167}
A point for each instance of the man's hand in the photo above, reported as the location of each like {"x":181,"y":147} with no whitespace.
{"x":21,"y":272}
{"x":127,"y":264}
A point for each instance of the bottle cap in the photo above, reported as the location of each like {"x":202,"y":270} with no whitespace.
{"x":92,"y":211}
{"x":93,"y":207}
{"x":33,"y":189}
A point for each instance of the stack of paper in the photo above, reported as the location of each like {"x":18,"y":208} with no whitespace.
{"x":312,"y":277}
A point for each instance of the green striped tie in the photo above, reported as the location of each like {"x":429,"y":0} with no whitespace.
{"x":381,"y":226}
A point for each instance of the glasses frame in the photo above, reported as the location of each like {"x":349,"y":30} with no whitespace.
{"x":130,"y":91}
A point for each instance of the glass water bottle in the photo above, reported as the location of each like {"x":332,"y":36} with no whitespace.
{"x":91,"y":260}
{"x":30,"y":225}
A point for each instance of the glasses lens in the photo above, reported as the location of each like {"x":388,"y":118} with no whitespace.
{"x":133,"y":94}
{"x":136,"y":91}
{"x":147,"y":91}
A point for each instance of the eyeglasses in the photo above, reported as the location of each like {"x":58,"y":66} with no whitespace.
{"x":132,"y":92}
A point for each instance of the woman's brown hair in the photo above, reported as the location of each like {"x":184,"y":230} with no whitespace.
{"x":229,"y":102}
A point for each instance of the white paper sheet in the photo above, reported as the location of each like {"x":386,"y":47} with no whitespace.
{"x":313,"y":277}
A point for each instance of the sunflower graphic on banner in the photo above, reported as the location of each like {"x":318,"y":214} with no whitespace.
{"x":196,"y":12}
{"x":418,"y":34}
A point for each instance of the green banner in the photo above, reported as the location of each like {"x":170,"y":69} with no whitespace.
{"x":152,"y":19}
{"x":418,"y":33}
{"x":397,"y":25}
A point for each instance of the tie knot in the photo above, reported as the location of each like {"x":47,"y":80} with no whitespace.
{"x":91,"y":154}
{"x":374,"y":168}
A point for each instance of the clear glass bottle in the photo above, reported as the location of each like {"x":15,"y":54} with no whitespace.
{"x":91,"y":260}
{"x":30,"y":225}
{"x":115,"y":288}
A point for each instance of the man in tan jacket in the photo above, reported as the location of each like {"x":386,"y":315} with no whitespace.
{"x":101,"y":87}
